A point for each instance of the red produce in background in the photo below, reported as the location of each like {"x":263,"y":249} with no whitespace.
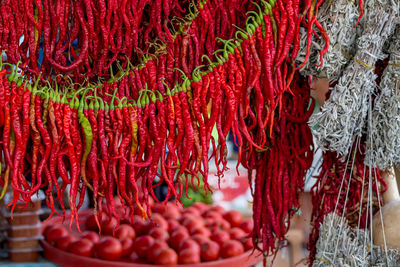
{"x":82,"y":247}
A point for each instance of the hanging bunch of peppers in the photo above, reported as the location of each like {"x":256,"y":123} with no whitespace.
{"x":155,"y":116}
{"x":84,"y":38}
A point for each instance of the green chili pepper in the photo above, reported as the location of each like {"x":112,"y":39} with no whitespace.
{"x":87,"y":130}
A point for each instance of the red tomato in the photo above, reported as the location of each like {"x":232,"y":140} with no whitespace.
{"x":154,"y":249}
{"x":175,"y":205}
{"x":220,"y":236}
{"x":192,"y":210}
{"x":234,"y":217}
{"x":63,"y":242}
{"x":171,"y":214}
{"x":200,"y":206}
{"x":125,"y":231}
{"x":117,"y":202}
{"x":127,"y":246}
{"x":200,"y":230}
{"x":189,"y":256}
{"x":177,"y":237}
{"x":82,"y":247}
{"x":231,"y":248}
{"x":187,"y":216}
{"x":148,"y":226}
{"x":189,"y":243}
{"x":212,"y":214}
{"x":224,"y":225}
{"x":134,"y":257}
{"x":172,"y":224}
{"x":54,"y":233}
{"x":92,"y":236}
{"x":247,"y":226}
{"x":142,"y":244}
{"x":212,"y":224}
{"x":109,"y":249}
{"x":237,"y":233}
{"x":179,"y":228}
{"x":210,"y":251}
{"x":158,"y":208}
{"x":159,"y":221}
{"x":47,"y":228}
{"x":121,"y":211}
{"x":167,"y":257}
{"x":247,"y":243}
{"x":138,"y":225}
{"x":219,"y":209}
{"x":108,"y":226}
{"x":191,"y":224}
{"x":159,"y":234}
{"x":200,"y":239}
{"x":209,"y":222}
{"x":91,"y":223}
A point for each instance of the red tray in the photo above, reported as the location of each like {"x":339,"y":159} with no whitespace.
{"x":66,"y":259}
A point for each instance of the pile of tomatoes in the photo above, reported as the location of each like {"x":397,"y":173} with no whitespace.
{"x":200,"y":233}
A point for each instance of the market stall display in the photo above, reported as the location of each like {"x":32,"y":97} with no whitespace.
{"x":102,"y":135}
{"x":122,"y":105}
{"x":200,"y":234}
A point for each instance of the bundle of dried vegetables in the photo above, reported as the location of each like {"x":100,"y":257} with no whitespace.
{"x":342,"y":117}
{"x":341,"y":245}
{"x":384,"y":134}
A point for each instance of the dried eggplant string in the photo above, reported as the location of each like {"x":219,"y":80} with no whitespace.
{"x":342,"y":117}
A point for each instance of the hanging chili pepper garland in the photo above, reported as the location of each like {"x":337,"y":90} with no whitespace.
{"x":113,"y":133}
{"x":67,"y":34}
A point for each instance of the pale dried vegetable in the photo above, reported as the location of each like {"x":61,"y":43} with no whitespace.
{"x":342,"y":117}
{"x":341,"y":245}
{"x":383,"y":141}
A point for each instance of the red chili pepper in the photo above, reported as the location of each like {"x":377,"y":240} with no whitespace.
{"x":7,"y":127}
{"x":311,"y":19}
{"x":133,"y":114}
{"x":187,"y":122}
{"x":102,"y":136}
{"x":326,"y":38}
{"x":16,"y":106}
{"x":361,"y":4}
{"x":55,"y":146}
{"x":74,"y":163}
{"x":92,"y":158}
{"x":85,"y":46}
{"x":122,"y":164}
{"x":290,"y":33}
{"x":46,"y":153}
